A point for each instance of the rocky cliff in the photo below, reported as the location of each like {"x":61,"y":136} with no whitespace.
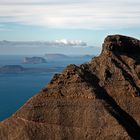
{"x":97,"y":100}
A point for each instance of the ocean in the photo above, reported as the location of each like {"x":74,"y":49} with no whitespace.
{"x":16,"y":89}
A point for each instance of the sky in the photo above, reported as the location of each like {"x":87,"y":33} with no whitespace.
{"x":87,"y":20}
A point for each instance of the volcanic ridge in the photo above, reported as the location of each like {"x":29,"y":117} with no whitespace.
{"x":96,"y":100}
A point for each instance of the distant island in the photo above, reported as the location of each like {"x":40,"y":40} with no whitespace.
{"x":87,"y":56}
{"x":18,"y":69}
{"x":34,"y":60}
{"x":57,"y":56}
{"x":12,"y":69}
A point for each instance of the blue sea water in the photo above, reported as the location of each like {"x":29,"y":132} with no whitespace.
{"x":16,"y":89}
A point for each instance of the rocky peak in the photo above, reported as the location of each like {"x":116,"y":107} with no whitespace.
{"x":119,"y":44}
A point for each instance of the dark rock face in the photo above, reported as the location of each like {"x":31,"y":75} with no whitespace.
{"x":122,"y":45}
{"x":34,"y":60}
{"x":97,"y":100}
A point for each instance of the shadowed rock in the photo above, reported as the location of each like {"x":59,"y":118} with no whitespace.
{"x":96,"y":100}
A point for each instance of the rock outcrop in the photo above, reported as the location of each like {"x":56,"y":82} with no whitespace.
{"x":97,"y":100}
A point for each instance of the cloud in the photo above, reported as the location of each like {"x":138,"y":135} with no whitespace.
{"x":39,"y":1}
{"x":84,"y":14}
{"x":58,"y":43}
{"x":70,"y":42}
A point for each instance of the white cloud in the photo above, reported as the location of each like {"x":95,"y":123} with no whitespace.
{"x":39,"y":1}
{"x":87,"y":14}
{"x":70,"y":42}
{"x":56,"y":43}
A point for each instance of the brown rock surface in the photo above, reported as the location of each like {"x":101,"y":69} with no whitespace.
{"x":97,"y":100}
